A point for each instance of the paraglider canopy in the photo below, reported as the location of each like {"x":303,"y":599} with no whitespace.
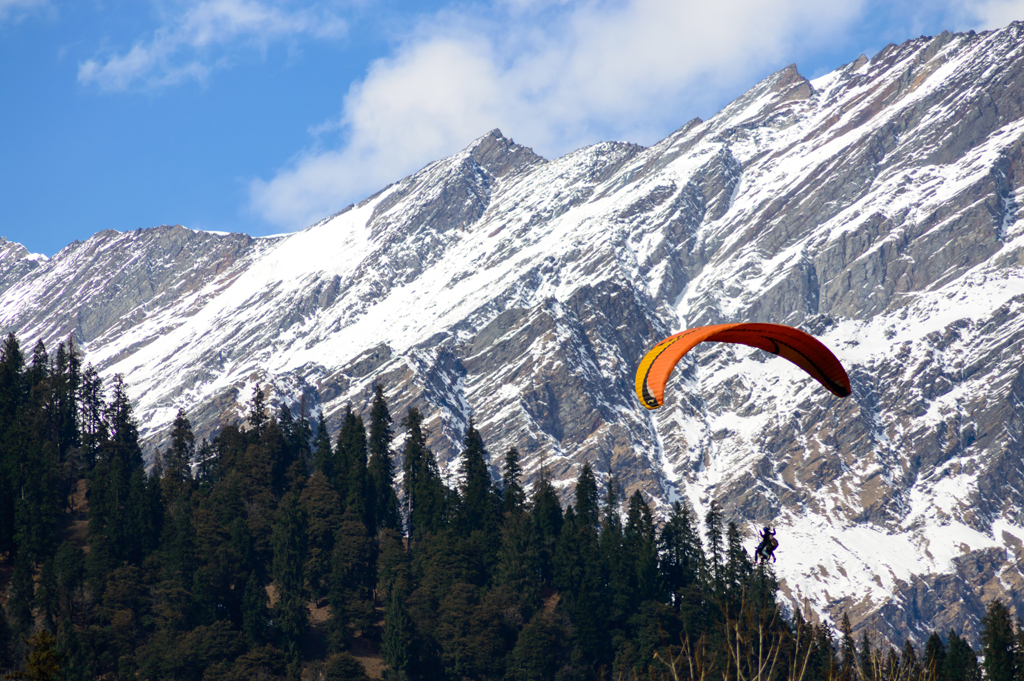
{"x":797,"y":346}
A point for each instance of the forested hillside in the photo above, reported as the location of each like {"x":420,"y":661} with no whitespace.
{"x":279,"y":551}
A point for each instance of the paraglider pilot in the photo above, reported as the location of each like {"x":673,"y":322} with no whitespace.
{"x":766,"y":549}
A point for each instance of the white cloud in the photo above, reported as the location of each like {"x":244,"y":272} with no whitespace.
{"x":555,"y":77}
{"x":184,"y":49}
{"x":16,"y":9}
{"x":409,"y":109}
{"x":997,"y":13}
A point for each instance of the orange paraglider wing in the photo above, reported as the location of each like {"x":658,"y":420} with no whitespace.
{"x":798,"y":347}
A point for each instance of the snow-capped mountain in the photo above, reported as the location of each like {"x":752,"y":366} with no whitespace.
{"x":875,"y":207}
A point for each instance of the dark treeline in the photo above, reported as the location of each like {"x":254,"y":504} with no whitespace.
{"x":277,"y":551}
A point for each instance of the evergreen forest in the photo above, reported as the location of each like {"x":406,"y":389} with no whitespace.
{"x":279,"y":551}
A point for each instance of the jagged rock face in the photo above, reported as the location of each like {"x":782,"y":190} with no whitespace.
{"x":15,"y":263}
{"x":875,"y":207}
{"x":112,"y":282}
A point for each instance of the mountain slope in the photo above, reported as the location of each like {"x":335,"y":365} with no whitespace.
{"x":875,"y":207}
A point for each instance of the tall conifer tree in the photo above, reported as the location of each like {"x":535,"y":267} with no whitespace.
{"x":512,"y":496}
{"x":351,"y":581}
{"x":323,"y":513}
{"x":92,"y":424}
{"x":961,"y":659}
{"x":424,"y":491}
{"x":254,"y":611}
{"x":737,"y":569}
{"x":713,"y":523}
{"x":681,"y":553}
{"x":290,"y":550}
{"x":177,"y":460}
{"x":352,"y":480}
{"x":258,"y":416}
{"x":382,"y":500}
{"x":640,"y":546}
{"x":323,"y":453}
{"x":477,"y":502}
{"x":934,"y":657}
{"x":518,"y":566}
{"x":118,"y":502}
{"x":997,"y":643}
{"x":396,"y":647}
{"x":546,"y":514}
{"x":12,"y":398}
{"x":847,"y":652}
{"x":587,"y":513}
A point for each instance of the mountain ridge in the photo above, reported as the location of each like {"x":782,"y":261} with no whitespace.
{"x":875,"y":206}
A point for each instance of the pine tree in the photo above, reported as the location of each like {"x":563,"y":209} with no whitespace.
{"x":65,"y":385}
{"x":961,"y":660}
{"x":737,"y":569}
{"x":869,"y":665}
{"x":92,"y":424}
{"x":351,"y":479}
{"x":291,"y":618}
{"x":177,"y":460}
{"x":254,"y":611}
{"x":934,"y":657}
{"x":713,"y":523}
{"x":118,"y":503}
{"x":43,"y":662}
{"x":997,"y":643}
{"x":616,"y":561}
{"x":40,"y":367}
{"x":206,"y":463}
{"x":79,"y":664}
{"x":287,"y":471}
{"x":547,"y":518}
{"x":48,"y":595}
{"x":289,"y":542}
{"x":323,"y":511}
{"x":424,"y":493}
{"x":32,"y":475}
{"x":382,"y":502}
{"x":344,"y":667}
{"x":351,"y":580}
{"x":287,"y":424}
{"x":289,"y":538}
{"x":13,"y":391}
{"x":12,"y":399}
{"x":258,"y":416}
{"x":301,"y":437}
{"x":681,"y":553}
{"x":513,"y":496}
{"x":22,"y":595}
{"x":847,"y":652}
{"x":587,"y":512}
{"x":518,"y":566}
{"x":640,"y":547}
{"x":611,"y":528}
{"x":579,"y":572}
{"x":323,"y":453}
{"x":477,"y":503}
{"x":396,"y":647}
{"x":393,"y":569}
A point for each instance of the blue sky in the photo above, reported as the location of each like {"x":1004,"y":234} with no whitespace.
{"x":263,"y":116}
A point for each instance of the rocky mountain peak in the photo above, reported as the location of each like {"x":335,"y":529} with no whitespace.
{"x":791,"y":85}
{"x":499,"y":156}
